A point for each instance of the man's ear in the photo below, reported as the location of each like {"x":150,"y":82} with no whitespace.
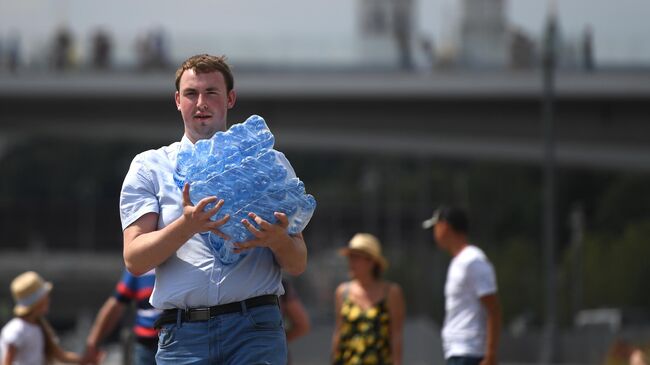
{"x":177,"y":98}
{"x":232,"y":97}
{"x":443,"y":227}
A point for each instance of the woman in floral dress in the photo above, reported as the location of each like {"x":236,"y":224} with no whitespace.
{"x":369,"y":310}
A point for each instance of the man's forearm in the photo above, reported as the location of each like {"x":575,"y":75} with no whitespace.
{"x":493,"y":331}
{"x":107,"y":318}
{"x":292,"y":255}
{"x":493,"y":327}
{"x":148,"y":250}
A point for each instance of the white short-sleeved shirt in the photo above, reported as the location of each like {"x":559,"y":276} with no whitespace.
{"x":470,"y":276}
{"x":192,"y":277}
{"x":28,"y":340}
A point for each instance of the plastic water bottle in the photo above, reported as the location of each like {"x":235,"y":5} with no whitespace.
{"x":241,"y":167}
{"x":183,"y":161}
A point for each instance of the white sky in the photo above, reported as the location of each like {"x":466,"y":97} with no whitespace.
{"x":621,"y":27}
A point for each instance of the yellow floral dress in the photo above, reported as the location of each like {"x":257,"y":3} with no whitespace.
{"x":364,"y":335}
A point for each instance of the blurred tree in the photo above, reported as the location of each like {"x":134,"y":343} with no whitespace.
{"x":616,"y":270}
{"x":518,"y":268}
{"x":504,"y":203}
{"x":625,"y":200}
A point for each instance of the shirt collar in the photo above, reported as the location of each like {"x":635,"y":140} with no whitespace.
{"x":186,"y":141}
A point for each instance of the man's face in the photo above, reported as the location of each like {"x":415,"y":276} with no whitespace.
{"x":439,"y":231}
{"x":203,"y":101}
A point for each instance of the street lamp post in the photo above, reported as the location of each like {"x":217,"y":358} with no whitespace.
{"x":547,"y":354}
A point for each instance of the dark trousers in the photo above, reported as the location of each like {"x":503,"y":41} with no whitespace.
{"x":464,"y":360}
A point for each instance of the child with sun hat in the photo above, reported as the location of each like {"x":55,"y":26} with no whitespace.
{"x":28,"y":338}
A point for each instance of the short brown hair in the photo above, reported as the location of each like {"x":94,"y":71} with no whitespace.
{"x":204,"y":63}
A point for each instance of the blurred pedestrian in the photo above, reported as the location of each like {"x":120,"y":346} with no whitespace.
{"x":28,"y":338}
{"x":12,"y":50}
{"x":638,"y":357}
{"x":622,"y":352}
{"x":588,"y":49}
{"x":158,"y":48}
{"x":101,"y":50}
{"x":296,"y":319}
{"x":214,"y":312}
{"x":369,"y":311}
{"x":470,"y":335}
{"x":62,"y":53}
{"x":142,"y":52}
{"x":130,"y":288}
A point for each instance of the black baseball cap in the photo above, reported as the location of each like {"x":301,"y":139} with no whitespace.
{"x":456,"y":217}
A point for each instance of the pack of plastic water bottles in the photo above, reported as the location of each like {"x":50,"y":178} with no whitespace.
{"x":241,"y":167}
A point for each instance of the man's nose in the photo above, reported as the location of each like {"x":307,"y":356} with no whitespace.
{"x":201,"y":101}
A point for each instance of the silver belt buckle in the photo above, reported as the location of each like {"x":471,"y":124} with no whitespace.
{"x":199,"y":314}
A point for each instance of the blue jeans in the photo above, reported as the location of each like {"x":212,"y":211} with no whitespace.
{"x":143,"y":355}
{"x":464,"y":360}
{"x":255,"y":336}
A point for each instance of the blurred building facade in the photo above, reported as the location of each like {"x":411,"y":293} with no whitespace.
{"x":387,"y":28}
{"x":484,"y":34}
{"x":387,"y":35}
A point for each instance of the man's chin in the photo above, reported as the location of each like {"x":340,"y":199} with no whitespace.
{"x":210,"y":132}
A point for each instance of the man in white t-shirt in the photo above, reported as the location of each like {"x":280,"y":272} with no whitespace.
{"x":470,"y":334}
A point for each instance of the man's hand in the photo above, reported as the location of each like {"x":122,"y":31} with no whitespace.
{"x":92,"y":356}
{"x":268,"y":235}
{"x":290,"y":251}
{"x":489,"y":359}
{"x":197,"y":220}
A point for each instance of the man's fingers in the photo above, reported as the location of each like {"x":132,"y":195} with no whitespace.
{"x":254,"y":217}
{"x":216,"y":208}
{"x":251,"y":228}
{"x":214,"y":227}
{"x":263,"y":224}
{"x":243,"y":246}
{"x":220,"y":234}
{"x":204,"y":202}
{"x":186,"y":195}
{"x":283,"y":221}
{"x":239,"y":247}
{"x":220,"y":222}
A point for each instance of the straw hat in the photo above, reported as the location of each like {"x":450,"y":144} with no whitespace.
{"x":28,"y":289}
{"x":368,"y":244}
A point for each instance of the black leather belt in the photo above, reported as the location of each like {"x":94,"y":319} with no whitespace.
{"x":204,"y":314}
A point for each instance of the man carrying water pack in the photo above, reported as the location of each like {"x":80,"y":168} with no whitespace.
{"x":214,"y":313}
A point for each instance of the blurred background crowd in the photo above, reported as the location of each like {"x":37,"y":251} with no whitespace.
{"x":385,"y":108}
